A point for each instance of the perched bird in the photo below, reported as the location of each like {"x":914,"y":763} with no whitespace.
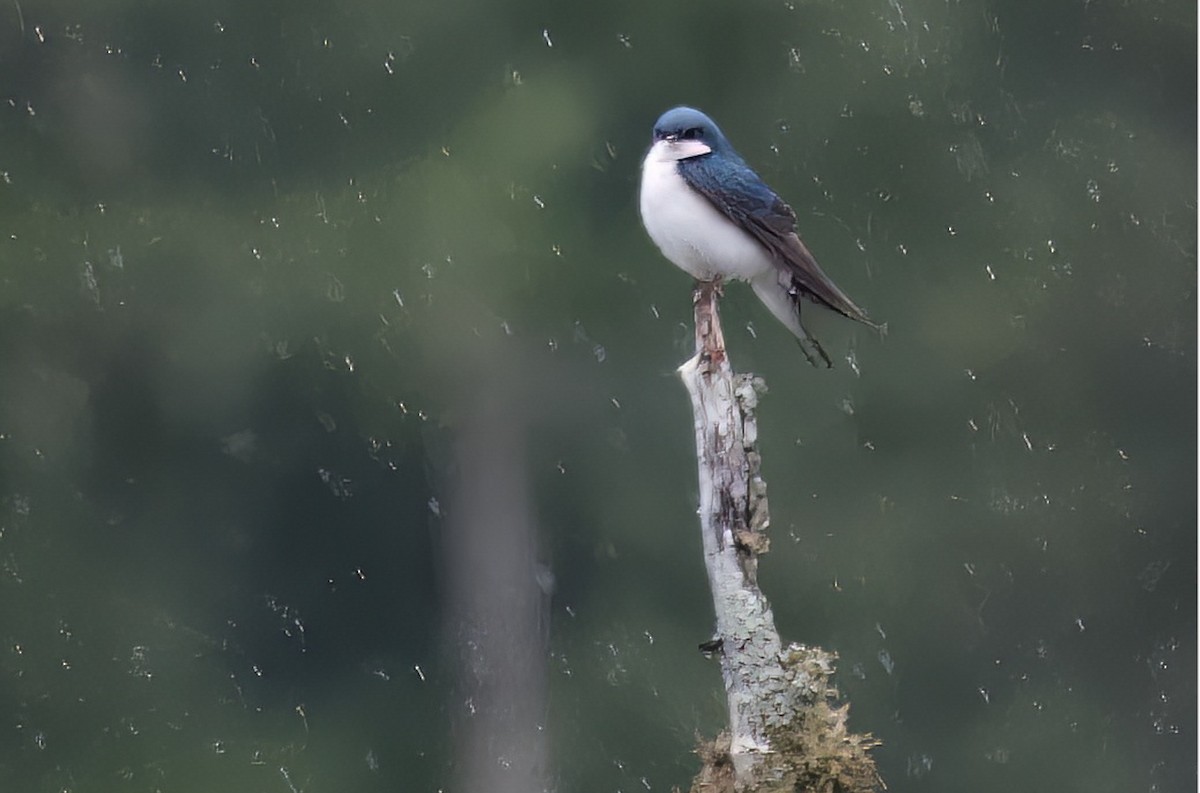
{"x":713,"y":217}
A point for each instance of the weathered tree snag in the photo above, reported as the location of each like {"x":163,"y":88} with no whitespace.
{"x":786,"y":730}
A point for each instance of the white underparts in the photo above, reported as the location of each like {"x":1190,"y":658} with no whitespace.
{"x":689,"y":230}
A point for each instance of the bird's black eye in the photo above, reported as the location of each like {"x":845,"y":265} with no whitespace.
{"x":692,"y":134}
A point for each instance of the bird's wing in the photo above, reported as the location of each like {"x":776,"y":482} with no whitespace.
{"x":738,"y":193}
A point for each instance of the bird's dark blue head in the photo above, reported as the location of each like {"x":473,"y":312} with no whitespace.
{"x":689,"y":124}
{"x":686,"y":133}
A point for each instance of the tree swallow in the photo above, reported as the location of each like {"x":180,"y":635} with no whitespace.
{"x":713,"y":217}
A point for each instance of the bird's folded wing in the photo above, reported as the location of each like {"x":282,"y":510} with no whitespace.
{"x":739,"y":194}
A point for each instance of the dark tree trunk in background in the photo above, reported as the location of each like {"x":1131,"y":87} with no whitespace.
{"x":498,"y":610}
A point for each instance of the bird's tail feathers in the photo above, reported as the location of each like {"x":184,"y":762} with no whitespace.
{"x":825,"y":292}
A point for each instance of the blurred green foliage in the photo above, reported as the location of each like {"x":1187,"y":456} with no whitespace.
{"x":256,"y":256}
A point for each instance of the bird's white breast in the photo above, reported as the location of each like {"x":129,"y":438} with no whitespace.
{"x":689,"y":231}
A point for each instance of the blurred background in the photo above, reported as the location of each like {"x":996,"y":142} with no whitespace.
{"x":340,"y":442}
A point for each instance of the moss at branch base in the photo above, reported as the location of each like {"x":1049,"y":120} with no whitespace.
{"x":716,"y":766}
{"x":814,"y":752}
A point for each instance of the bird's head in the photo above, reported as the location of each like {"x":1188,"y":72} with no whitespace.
{"x":684,"y":132}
